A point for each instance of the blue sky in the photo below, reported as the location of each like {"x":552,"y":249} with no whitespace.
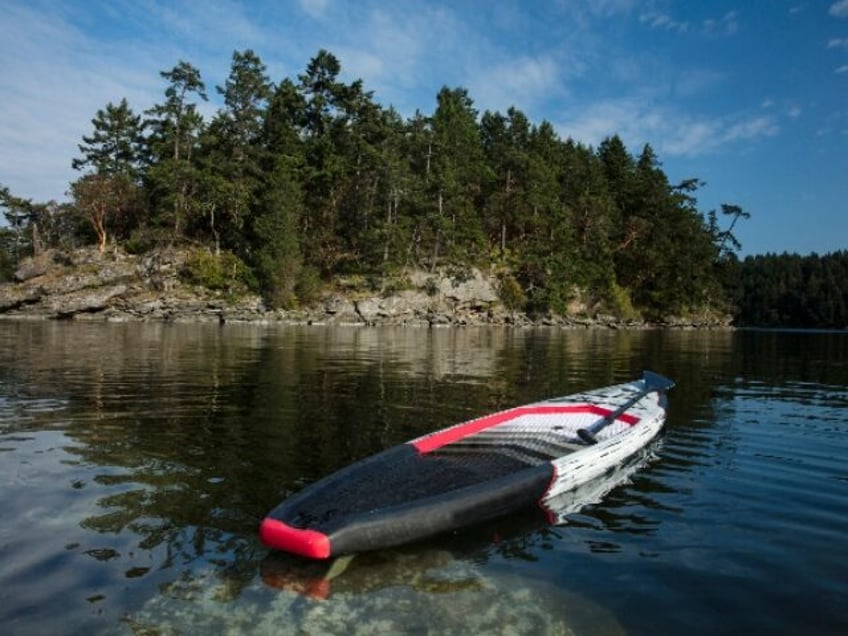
{"x":751,"y":97}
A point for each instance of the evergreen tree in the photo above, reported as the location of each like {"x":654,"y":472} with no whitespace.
{"x":506,"y":140}
{"x":314,"y":175}
{"x":112,"y":156}
{"x":392,"y":230}
{"x":175,"y":129}
{"x":549,"y":248}
{"x":235,"y":150}
{"x":115,"y":145}
{"x":360,"y":134}
{"x":279,"y":256}
{"x":727,"y":240}
{"x":457,"y":176}
{"x":323,"y":168}
{"x":18,"y":213}
{"x":592,"y":210}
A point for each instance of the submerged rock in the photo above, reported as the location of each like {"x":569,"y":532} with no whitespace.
{"x":393,"y":592}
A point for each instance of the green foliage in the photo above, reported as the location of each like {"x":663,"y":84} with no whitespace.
{"x":115,"y":145}
{"x":309,"y":285}
{"x":220,"y":272}
{"x":144,"y":239}
{"x":790,"y":290}
{"x":394,"y":284}
{"x":7,"y":260}
{"x":309,"y":179}
{"x":621,"y":305}
{"x":279,"y":258}
{"x":511,"y":294}
{"x":431,"y":286}
{"x":174,"y":130}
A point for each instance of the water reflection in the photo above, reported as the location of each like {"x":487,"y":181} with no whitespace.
{"x":139,"y":459}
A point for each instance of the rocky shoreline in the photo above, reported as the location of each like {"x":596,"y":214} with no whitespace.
{"x":116,"y":286}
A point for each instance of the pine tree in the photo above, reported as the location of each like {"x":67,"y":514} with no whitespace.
{"x":456,"y":184}
{"x":279,"y":256}
{"x":235,"y":151}
{"x":175,"y":128}
{"x":115,"y":145}
{"x":109,"y":193}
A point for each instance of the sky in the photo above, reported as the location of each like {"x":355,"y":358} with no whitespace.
{"x":750,"y":97}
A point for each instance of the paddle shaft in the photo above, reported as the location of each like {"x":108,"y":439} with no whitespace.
{"x":653,"y":382}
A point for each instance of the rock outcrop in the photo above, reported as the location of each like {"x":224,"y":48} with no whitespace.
{"x":87,"y":285}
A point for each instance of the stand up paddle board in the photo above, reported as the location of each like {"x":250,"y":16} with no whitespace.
{"x":471,"y":472}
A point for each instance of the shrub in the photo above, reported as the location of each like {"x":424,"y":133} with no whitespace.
{"x":224,"y":271}
{"x":431,"y":286}
{"x":511,"y":293}
{"x":308,"y":287}
{"x":620,"y":303}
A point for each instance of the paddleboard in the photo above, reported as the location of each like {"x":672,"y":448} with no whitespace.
{"x":471,"y":472}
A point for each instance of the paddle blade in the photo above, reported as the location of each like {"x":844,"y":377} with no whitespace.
{"x":656,"y":382}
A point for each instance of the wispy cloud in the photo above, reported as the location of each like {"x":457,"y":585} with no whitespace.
{"x":521,"y":82}
{"x":670,"y":131}
{"x":55,"y":80}
{"x":786,"y":108}
{"x":698,"y":81}
{"x":839,"y":9}
{"x":664,"y":22}
{"x":315,"y":8}
{"x":728,"y":24}
{"x":64,"y":62}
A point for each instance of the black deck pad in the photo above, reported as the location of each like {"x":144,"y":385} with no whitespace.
{"x":394,"y":477}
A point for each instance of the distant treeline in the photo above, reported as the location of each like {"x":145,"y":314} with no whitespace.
{"x":789,"y":290}
{"x":293,"y":184}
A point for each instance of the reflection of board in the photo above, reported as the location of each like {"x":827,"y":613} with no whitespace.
{"x":470,"y":472}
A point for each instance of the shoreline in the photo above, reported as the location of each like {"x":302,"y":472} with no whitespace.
{"x":84,"y":285}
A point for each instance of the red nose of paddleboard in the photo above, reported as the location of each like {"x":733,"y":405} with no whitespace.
{"x":280,"y":536}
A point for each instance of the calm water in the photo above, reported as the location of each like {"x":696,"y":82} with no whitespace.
{"x":137,"y":460}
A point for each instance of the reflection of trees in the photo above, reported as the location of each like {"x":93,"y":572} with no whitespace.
{"x":199,"y":430}
{"x":196,"y":430}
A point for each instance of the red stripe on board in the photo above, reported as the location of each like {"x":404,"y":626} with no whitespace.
{"x":454,"y":433}
{"x":280,"y":536}
{"x":548,"y":512}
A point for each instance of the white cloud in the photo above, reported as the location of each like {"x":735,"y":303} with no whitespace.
{"x":839,"y":9}
{"x":521,"y":82}
{"x":749,"y":128}
{"x":667,"y":129}
{"x":315,"y":8}
{"x":837,"y":43}
{"x":842,"y":69}
{"x":399,"y":55}
{"x":664,"y":22}
{"x":698,"y":81}
{"x":727,"y":25}
{"x":54,"y":82}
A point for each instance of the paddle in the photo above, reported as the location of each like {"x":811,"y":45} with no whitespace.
{"x":653,"y":382}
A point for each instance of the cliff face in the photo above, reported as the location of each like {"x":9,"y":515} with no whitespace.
{"x":87,"y":285}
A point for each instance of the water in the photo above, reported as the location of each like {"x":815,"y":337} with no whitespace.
{"x":137,"y":460}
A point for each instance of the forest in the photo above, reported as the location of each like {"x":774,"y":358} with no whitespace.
{"x":788,"y":290}
{"x":293,"y":184}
